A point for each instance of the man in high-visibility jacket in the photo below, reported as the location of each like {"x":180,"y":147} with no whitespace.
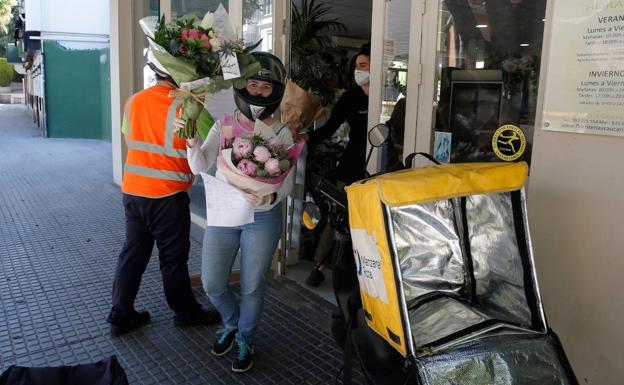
{"x":155,"y":184}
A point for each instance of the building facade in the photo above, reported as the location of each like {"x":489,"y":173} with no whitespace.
{"x":67,"y":56}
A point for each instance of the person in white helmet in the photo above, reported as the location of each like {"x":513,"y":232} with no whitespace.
{"x":155,"y":188}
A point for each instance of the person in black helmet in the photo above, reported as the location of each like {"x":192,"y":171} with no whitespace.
{"x":258,"y":240}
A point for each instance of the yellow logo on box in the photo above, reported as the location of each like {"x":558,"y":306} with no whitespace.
{"x":509,"y":142}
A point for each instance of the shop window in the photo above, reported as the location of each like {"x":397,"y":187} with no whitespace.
{"x":487,"y":75}
{"x":258,"y":23}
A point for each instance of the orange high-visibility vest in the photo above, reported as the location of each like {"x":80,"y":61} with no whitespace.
{"x":156,"y":164}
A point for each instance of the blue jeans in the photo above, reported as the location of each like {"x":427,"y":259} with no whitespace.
{"x":257,"y":242}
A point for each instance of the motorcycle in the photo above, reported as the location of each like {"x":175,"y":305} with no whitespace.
{"x":434,"y":277}
{"x":379,"y":363}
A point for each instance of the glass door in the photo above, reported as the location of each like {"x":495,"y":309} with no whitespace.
{"x":394,"y":78}
{"x":143,"y":75}
{"x":481,"y":78}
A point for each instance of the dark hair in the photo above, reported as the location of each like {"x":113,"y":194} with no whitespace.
{"x":364,"y":50}
{"x":164,"y":78}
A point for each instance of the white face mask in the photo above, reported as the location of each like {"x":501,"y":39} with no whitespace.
{"x":361,"y":77}
{"x":256,"y":111}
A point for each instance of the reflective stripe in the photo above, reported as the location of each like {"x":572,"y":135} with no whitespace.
{"x":171,"y":114}
{"x":156,"y":149}
{"x":158,"y":174}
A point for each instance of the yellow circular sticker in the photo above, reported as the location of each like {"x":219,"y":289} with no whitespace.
{"x":509,"y":142}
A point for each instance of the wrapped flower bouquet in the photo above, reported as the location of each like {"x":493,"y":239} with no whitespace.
{"x":255,"y":163}
{"x":203,"y":57}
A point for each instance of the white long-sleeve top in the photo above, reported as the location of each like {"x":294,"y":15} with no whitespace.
{"x":202,"y":158}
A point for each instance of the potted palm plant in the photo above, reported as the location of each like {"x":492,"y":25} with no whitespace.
{"x":311,"y":45}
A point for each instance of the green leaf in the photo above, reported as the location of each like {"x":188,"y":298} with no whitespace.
{"x":181,"y":70}
{"x":240,"y":83}
{"x":250,"y":70}
{"x":191,"y":108}
{"x":204,"y":124}
{"x":250,"y":48}
{"x":284,"y":164}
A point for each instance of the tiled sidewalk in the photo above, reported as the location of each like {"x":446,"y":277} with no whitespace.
{"x":61,"y":228}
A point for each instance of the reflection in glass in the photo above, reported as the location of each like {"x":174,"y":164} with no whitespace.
{"x":488,"y":57}
{"x":258,"y":23}
{"x":396,"y":54}
{"x":143,"y":75}
{"x":197,"y":7}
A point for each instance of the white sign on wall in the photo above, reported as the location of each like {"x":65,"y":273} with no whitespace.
{"x":584,"y":88}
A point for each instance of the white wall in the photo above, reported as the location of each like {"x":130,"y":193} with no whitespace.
{"x":576,"y":213}
{"x":68,"y":16}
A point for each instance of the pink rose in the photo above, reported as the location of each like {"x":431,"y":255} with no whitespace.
{"x":272,"y":168}
{"x":273,"y":143}
{"x":247,"y":167}
{"x":204,"y":41}
{"x":261,"y":154}
{"x":241,"y":148}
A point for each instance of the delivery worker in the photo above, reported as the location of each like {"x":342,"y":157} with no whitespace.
{"x":155,"y":184}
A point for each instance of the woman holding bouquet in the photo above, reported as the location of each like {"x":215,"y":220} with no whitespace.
{"x":257,"y":240}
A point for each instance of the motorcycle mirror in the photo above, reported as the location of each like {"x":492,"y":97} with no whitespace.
{"x":310,"y":216}
{"x":378,"y":135}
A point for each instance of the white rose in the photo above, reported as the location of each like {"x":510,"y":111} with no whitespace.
{"x":208,"y":20}
{"x":216,"y":45}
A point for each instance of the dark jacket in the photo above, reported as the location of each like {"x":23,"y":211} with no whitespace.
{"x":352,"y":107}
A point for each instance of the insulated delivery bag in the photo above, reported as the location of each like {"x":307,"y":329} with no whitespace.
{"x":447,"y":277}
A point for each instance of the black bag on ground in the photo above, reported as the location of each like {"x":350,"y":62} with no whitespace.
{"x":104,"y":372}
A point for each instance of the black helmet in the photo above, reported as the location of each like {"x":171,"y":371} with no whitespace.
{"x":258,"y":107}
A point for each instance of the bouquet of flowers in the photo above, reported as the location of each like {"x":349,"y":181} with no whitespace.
{"x":255,"y":163}
{"x":203,"y":57}
{"x":299,"y":107}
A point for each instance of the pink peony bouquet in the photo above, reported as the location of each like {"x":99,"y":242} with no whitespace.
{"x":255,"y":164}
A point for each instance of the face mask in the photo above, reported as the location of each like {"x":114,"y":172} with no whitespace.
{"x":361,"y":77}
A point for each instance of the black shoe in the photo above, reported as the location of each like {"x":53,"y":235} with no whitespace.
{"x":135,"y":320}
{"x":201,"y":318}
{"x":224,"y":342}
{"x":315,"y":278}
{"x":244,"y":361}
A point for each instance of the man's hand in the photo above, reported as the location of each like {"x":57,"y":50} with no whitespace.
{"x":256,"y":201}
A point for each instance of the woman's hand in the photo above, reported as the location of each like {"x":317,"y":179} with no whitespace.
{"x":256,"y":201}
{"x":178,"y":124}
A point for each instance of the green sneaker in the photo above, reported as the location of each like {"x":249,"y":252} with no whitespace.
{"x":224,"y":343}
{"x":244,"y":360}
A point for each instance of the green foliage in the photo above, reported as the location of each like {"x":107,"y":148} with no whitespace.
{"x":310,"y":26}
{"x":8,"y":17}
{"x":6,"y":73}
{"x":310,"y":41}
{"x":250,"y":7}
{"x":6,"y":14}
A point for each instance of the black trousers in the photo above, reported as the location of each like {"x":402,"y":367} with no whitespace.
{"x":168,"y":222}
